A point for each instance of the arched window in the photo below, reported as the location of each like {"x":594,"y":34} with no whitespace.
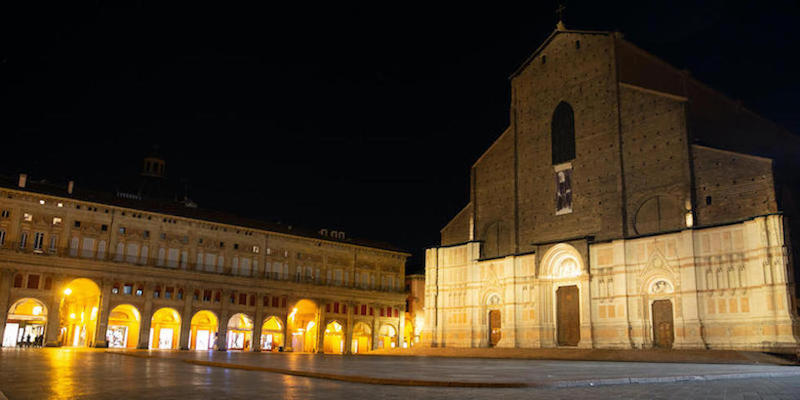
{"x":563,"y":134}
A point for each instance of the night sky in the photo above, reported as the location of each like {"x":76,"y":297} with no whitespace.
{"x":363,"y":119}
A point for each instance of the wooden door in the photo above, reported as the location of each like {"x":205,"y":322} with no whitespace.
{"x":495,"y":333}
{"x":568,"y":316}
{"x":663,"y":332}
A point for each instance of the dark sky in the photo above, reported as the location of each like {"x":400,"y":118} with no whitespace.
{"x":364,"y":119}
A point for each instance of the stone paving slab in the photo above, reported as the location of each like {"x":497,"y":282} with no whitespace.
{"x":69,"y":374}
{"x":476,"y":372}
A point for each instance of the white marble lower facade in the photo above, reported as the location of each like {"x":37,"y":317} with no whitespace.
{"x":727,"y":287}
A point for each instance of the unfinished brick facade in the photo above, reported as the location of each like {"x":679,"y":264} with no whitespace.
{"x":666,"y":201}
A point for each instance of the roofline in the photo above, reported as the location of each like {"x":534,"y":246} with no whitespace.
{"x":759,"y":158}
{"x":547,"y":41}
{"x":653,"y":92}
{"x":223,"y":224}
{"x":456,"y":216}
{"x":508,"y":129}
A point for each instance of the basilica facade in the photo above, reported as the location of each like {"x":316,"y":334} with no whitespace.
{"x":626,"y":205}
{"x":89,"y":269}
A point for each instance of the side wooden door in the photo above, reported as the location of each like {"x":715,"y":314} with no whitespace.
{"x":495,"y":332}
{"x":568,"y":316}
{"x":663,"y":330}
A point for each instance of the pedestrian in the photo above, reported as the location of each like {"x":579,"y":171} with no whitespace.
{"x":28,"y":340}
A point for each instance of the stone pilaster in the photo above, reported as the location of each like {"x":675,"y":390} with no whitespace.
{"x":321,"y":327}
{"x":348,"y":331}
{"x":258,"y":323}
{"x":222,"y":335}
{"x":6,"y":276}
{"x":186,"y":318}
{"x":54,"y":313}
{"x":103,"y":312}
{"x":147,"y":318}
{"x":401,"y":325}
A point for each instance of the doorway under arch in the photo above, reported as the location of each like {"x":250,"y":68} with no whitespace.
{"x":27,"y":318}
{"x":271,"y":334}
{"x":408,"y":334}
{"x":203,"y":333}
{"x":362,"y":338}
{"x":386,"y":337}
{"x":79,"y":313}
{"x":333,"y":342}
{"x":123,"y":327}
{"x":240,"y":332}
{"x":165,"y":329}
{"x":302,"y":326}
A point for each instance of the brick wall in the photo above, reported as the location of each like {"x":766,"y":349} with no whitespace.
{"x":731,"y":186}
{"x":493,"y":193}
{"x":457,"y":230}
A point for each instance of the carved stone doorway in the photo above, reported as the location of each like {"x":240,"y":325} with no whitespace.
{"x":495,"y":332}
{"x":568,"y":316}
{"x":663,"y":330}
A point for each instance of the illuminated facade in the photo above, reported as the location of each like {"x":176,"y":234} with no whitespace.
{"x":109,"y":273}
{"x":626,"y":206}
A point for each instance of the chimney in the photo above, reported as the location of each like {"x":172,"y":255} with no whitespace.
{"x":23,"y":179}
{"x":70,"y":186}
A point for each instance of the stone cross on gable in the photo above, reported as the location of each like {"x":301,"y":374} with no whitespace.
{"x":560,"y":12}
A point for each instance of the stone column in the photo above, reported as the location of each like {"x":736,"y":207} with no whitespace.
{"x":348,"y":330}
{"x":102,"y":315}
{"x":186,"y":318}
{"x":5,"y":292}
{"x":321,"y":327}
{"x":287,"y":340}
{"x":374,"y":330}
{"x":401,"y":324}
{"x":222,"y":332}
{"x":147,"y":318}
{"x":258,"y":323}
{"x":53,"y":313}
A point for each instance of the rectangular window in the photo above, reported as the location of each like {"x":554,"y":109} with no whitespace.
{"x":5,"y":213}
{"x":56,"y":221}
{"x":2,"y":238}
{"x":275,"y":301}
{"x":38,"y":240}
{"x":206,"y":295}
{"x":28,"y":217}
{"x":283,"y":302}
{"x":336,"y":308}
{"x":23,"y":240}
{"x":139,"y":291}
{"x":265,"y":301}
{"x":127,"y":289}
{"x":242,"y":299}
{"x":33,"y":281}
{"x":53,"y":243}
{"x":563,"y":180}
{"x":168,"y":293}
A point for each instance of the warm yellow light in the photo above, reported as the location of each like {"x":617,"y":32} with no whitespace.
{"x":37,"y":310}
{"x":72,"y":316}
{"x":83,"y":315}
{"x":291,"y":315}
{"x":41,"y":202}
{"x":689,"y":219}
{"x":67,"y":291}
{"x":310,"y":325}
{"x":94,"y":313}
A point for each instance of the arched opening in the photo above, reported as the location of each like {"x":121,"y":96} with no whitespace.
{"x":362,"y":338}
{"x":123,"y":327}
{"x":333,"y":342}
{"x":25,"y":324}
{"x":386,"y":337}
{"x":302,"y":325}
{"x":240,"y":332}
{"x":165,"y":328}
{"x":563,"y":134}
{"x":271,"y":334}
{"x":79,"y":313}
{"x":408,"y":334}
{"x":203,"y":335}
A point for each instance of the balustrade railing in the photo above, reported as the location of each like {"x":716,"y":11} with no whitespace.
{"x":165,"y":263}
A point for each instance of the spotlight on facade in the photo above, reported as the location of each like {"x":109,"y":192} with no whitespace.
{"x":37,"y":310}
{"x":72,"y":316}
{"x":67,"y":291}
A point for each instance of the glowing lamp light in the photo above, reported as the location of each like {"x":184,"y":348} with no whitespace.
{"x":67,"y":291}
{"x":37,"y":310}
{"x":72,"y":316}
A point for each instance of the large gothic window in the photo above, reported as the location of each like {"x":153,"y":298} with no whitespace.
{"x":563,"y":134}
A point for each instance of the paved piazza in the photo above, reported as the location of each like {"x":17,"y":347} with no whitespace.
{"x":94,"y":374}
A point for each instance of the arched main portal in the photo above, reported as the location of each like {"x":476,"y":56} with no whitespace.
{"x":563,"y":274}
{"x":271,"y":334}
{"x":123,"y":327}
{"x":165,"y":329}
{"x":240,"y":332}
{"x":203,"y":333}
{"x":386,"y":337}
{"x":25,"y":324}
{"x":302,"y":326}
{"x":333,"y":342}
{"x":362,"y":338}
{"x":79,"y":313}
